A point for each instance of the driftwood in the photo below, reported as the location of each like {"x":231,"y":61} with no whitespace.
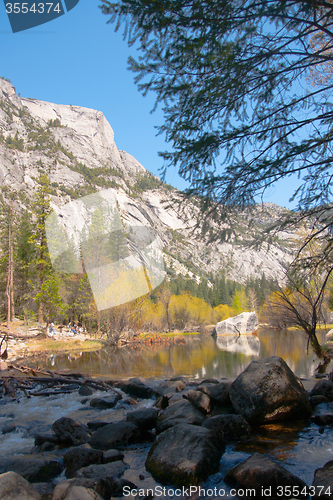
{"x":53,"y":383}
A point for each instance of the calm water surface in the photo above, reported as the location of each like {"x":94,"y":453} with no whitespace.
{"x":201,"y":356}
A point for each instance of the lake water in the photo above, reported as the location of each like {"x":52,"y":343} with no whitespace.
{"x":300,"y":446}
{"x":201,"y":356}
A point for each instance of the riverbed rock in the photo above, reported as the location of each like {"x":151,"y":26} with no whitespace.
{"x":86,"y":390}
{"x":181,"y":412}
{"x":317,"y":400}
{"x":111,"y":470}
{"x":169,"y":387}
{"x":268,"y":391}
{"x":81,"y":456}
{"x":82,"y":493}
{"x":323,"y":414}
{"x":33,"y":468}
{"x":323,"y":477}
{"x":184,"y":455}
{"x":105,"y":487}
{"x":71,"y":431}
{"x":106,"y":402}
{"x":199,"y":400}
{"x":259,"y":472}
{"x":218,"y":393}
{"x":144,"y":418}
{"x":15,"y":487}
{"x":245,"y":323}
{"x":230,"y":427}
{"x":323,"y":388}
{"x":63,"y":491}
{"x":138,"y":387}
{"x":112,"y":435}
{"x":112,"y":456}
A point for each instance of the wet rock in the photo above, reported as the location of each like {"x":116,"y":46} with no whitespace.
{"x":268,"y":391}
{"x":112,"y":456}
{"x":41,"y":438}
{"x":15,"y":487}
{"x":34,"y":468}
{"x":218,"y":393}
{"x":138,"y":387}
{"x":323,"y":478}
{"x":81,"y":456}
{"x":106,"y":402}
{"x":184,"y":455}
{"x":181,"y":412}
{"x":85,"y":390}
{"x":106,"y":487}
{"x":317,"y":400}
{"x":70,"y":431}
{"x":199,"y":400}
{"x":258,"y":473}
{"x":231,"y":427}
{"x":111,"y":470}
{"x":323,"y":414}
{"x":144,"y":418}
{"x":169,"y":387}
{"x":44,"y":489}
{"x":112,"y":435}
{"x":323,"y":388}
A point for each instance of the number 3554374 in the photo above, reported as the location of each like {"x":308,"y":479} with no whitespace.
{"x":35,"y":8}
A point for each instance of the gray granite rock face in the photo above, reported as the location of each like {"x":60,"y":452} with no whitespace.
{"x":245,"y":323}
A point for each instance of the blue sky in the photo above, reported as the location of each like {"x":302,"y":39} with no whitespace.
{"x":78,"y":59}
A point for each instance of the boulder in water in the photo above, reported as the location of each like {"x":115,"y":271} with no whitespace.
{"x":268,"y":391}
{"x":245,"y":323}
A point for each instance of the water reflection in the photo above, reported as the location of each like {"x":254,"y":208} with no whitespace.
{"x":200,"y":357}
{"x":243,"y":344}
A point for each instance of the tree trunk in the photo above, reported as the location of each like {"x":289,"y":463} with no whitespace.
{"x":317,"y":347}
{"x":10,"y":272}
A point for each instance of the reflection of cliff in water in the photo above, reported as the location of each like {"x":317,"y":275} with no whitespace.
{"x":242,"y":344}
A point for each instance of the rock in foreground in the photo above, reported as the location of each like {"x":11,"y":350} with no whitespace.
{"x":268,"y":391}
{"x":184,"y":455}
{"x":260,"y":473}
{"x":14,"y":487}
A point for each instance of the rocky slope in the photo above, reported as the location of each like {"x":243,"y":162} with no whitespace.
{"x":75,"y":147}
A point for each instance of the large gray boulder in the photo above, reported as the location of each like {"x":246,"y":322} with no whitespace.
{"x":144,"y":418}
{"x":231,"y":427}
{"x":260,"y":473}
{"x":34,"y":468}
{"x":323,"y":482}
{"x":323,"y":414}
{"x":181,"y":412}
{"x":184,"y":455}
{"x":116,"y":434}
{"x":138,"y":387}
{"x":268,"y":391}
{"x":14,"y":487}
{"x":323,"y":388}
{"x":245,"y":323}
{"x":70,"y":431}
{"x":218,"y":392}
{"x":81,"y":456}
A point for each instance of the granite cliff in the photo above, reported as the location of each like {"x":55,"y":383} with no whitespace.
{"x":75,"y":147}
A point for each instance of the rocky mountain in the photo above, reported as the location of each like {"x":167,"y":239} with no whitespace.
{"x":75,"y":147}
